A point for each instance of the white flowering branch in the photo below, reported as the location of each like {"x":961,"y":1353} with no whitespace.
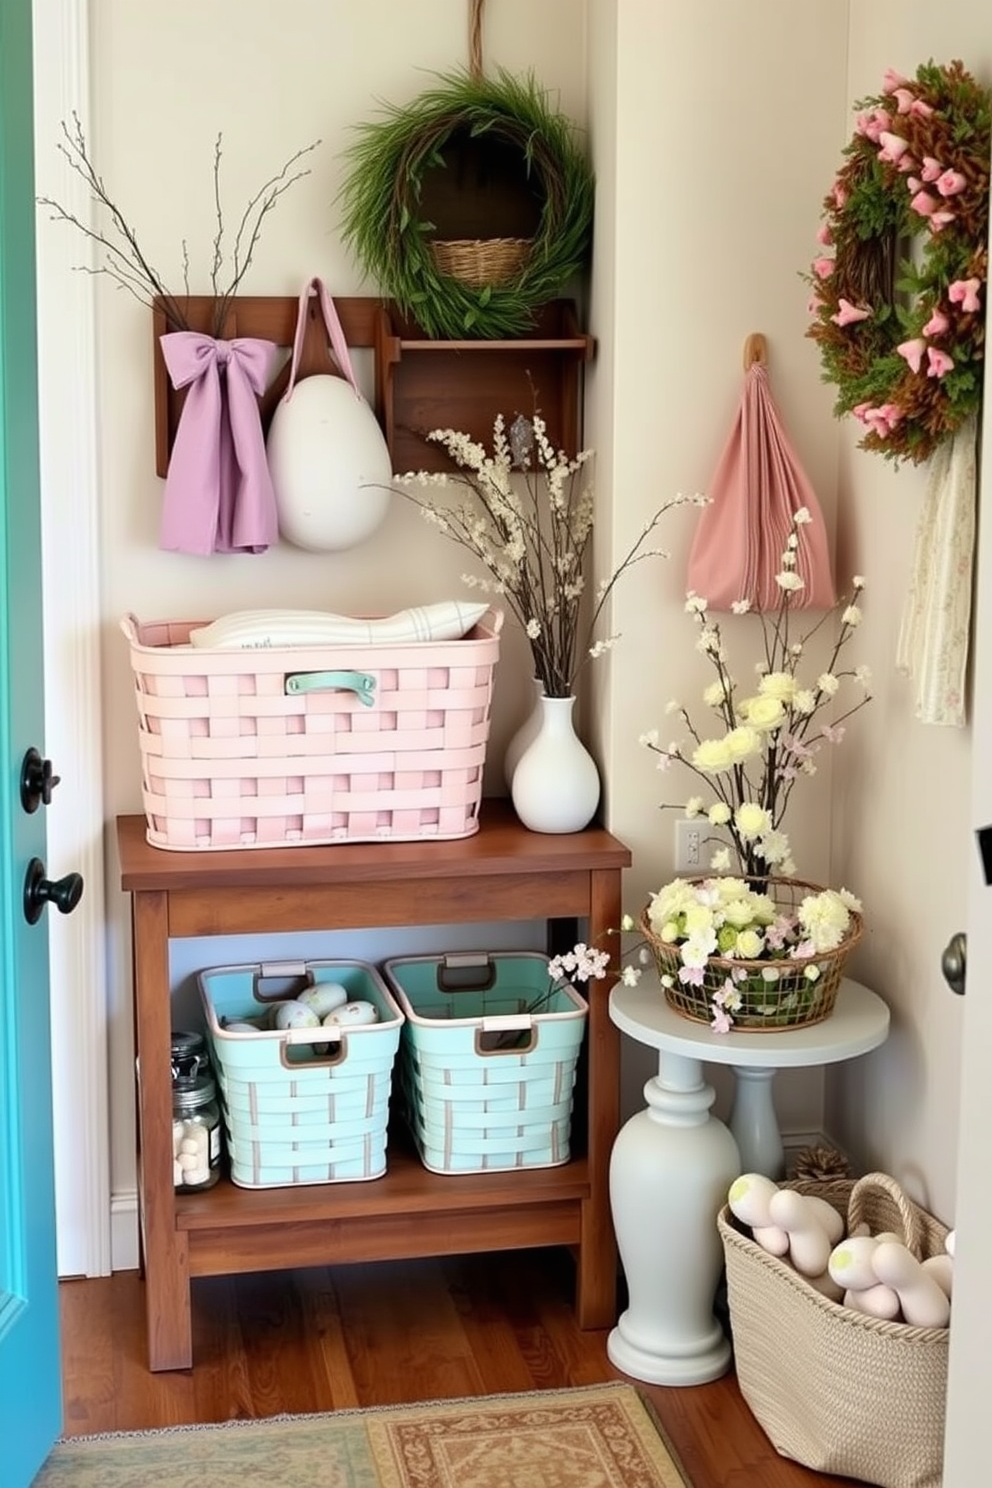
{"x":770,"y":738}
{"x":528,"y":521}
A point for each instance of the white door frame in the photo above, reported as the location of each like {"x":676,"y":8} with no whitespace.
{"x":70,"y":514}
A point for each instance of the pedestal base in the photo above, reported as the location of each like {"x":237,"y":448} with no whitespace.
{"x":670,"y":1171}
{"x":698,"y":1368}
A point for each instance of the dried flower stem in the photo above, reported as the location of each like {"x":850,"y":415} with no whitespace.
{"x":125,"y":262}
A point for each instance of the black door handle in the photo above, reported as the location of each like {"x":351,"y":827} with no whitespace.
{"x":65,"y":893}
{"x":37,"y":781}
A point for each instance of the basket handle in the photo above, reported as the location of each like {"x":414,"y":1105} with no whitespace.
{"x":362,"y":684}
{"x":860,"y":1200}
{"x":466,"y":973}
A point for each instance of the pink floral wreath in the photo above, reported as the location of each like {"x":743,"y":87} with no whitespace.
{"x":901,"y":335}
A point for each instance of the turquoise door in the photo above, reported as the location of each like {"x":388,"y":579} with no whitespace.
{"x":30,"y":1389}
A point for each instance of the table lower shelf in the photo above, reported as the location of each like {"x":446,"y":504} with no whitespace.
{"x":407,"y":1212}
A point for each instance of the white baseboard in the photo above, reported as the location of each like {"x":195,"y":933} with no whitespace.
{"x":124,"y":1231}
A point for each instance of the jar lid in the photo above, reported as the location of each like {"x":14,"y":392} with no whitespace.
{"x":185,"y":1041}
{"x":197,"y":1090}
{"x":188,"y":1056}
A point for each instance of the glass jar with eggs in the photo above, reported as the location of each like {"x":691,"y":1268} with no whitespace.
{"x":196,"y":1133}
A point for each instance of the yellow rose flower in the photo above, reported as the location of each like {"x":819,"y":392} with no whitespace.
{"x":763,"y":712}
{"x":713,"y":755}
{"x":781,"y":685}
{"x":751,"y":820}
{"x":749,"y":945}
{"x":742,"y":743}
{"x":738,"y":913}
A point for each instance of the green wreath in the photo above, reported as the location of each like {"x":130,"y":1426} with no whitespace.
{"x":901,"y":333}
{"x":382,"y":193}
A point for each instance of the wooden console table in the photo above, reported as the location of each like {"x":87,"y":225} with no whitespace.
{"x":503,"y":872}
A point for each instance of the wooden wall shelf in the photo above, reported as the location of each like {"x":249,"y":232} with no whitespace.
{"x":420,"y":383}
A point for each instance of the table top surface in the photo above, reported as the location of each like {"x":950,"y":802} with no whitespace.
{"x":501,"y":845}
{"x":858,"y":1023}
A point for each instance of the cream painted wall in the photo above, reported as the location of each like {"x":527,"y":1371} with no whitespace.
{"x":165,"y":80}
{"x":902,"y":793}
{"x":713,"y":199}
{"x":708,"y":199}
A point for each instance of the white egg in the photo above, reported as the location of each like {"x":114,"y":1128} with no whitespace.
{"x":295,"y":1015}
{"x":324,"y":997}
{"x":330,"y":466}
{"x":352,"y":1015}
{"x":240,"y":1025}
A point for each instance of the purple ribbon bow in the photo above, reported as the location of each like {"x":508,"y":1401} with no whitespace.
{"x":218,"y":491}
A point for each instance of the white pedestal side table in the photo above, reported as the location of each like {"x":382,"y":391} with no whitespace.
{"x":673,"y":1163}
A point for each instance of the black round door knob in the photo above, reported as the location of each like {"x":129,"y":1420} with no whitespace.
{"x":65,"y":893}
{"x":38,"y":780}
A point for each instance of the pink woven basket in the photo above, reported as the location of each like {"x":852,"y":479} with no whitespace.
{"x":310,"y":744}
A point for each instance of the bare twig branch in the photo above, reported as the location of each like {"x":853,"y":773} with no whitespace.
{"x":262,"y":204}
{"x":124,"y":261}
{"x":218,"y":211}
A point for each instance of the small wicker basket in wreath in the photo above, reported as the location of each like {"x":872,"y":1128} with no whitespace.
{"x":481,"y":261}
{"x":776,"y":993}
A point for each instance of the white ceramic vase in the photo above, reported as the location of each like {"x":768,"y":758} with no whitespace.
{"x":525,"y":734}
{"x":555,"y":786}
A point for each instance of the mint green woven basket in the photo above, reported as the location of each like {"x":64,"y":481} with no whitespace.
{"x":488,"y":1055}
{"x":301,"y":1105}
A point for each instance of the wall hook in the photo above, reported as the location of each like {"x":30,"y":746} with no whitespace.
{"x":755,"y":350}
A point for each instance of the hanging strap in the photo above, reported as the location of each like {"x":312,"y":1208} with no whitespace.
{"x":316,"y":289}
{"x":475,"y":38}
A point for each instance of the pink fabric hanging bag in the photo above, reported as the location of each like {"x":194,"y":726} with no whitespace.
{"x":757,"y":487}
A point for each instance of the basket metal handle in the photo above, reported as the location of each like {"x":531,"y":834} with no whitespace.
{"x":362,"y":684}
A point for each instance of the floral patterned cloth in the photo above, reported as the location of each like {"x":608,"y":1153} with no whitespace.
{"x":933,"y":637}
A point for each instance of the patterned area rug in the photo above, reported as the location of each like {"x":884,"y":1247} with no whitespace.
{"x":603,"y":1436}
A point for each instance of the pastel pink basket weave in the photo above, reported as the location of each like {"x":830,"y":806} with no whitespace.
{"x":369,"y":742}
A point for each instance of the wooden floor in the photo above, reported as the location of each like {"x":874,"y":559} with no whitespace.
{"x":383,"y":1334}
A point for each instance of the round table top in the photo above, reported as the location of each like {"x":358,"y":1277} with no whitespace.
{"x":858,"y":1023}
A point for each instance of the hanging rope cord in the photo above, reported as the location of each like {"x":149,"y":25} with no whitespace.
{"x":476,"y":7}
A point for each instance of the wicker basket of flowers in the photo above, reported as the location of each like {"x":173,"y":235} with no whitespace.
{"x":761,"y":954}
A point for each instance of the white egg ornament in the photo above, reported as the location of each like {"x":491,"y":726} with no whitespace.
{"x":748,"y":1199}
{"x":922,"y":1300}
{"x":295,"y":1015}
{"x":352,"y":1015}
{"x":809,"y":1243}
{"x":323,"y":998}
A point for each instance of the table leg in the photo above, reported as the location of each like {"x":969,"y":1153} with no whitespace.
{"x":755,"y":1125}
{"x":165,"y":1248}
{"x":671,"y":1167}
